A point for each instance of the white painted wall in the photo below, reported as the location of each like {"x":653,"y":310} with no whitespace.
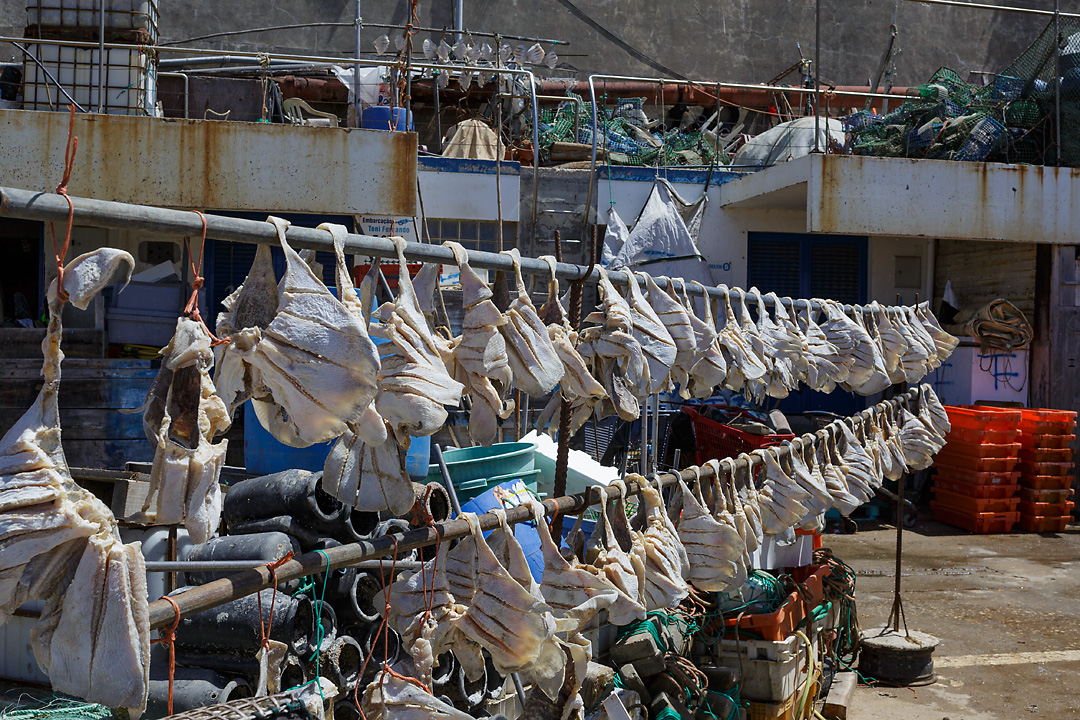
{"x":470,"y":195}
{"x":884,"y":279}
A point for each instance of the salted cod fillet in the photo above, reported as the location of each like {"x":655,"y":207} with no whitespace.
{"x":534,"y":363}
{"x":480,"y":354}
{"x":44,"y":545}
{"x":313,"y":369}
{"x":365,"y":468}
{"x":182,"y":417}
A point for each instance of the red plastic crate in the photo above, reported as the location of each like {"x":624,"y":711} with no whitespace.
{"x":985,"y":465}
{"x":1040,"y":455}
{"x":968,"y":435}
{"x":1046,"y":441}
{"x":1047,"y":422}
{"x":1046,"y":509}
{"x":1047,"y":495}
{"x":982,"y":418}
{"x":974,"y":477}
{"x":973,"y":490}
{"x":716,"y":440}
{"x":982,"y":450}
{"x":975,"y":522}
{"x":390,"y":271}
{"x":1040,"y":524}
{"x":780,"y":624}
{"x":967,"y":503}
{"x":1046,"y":482}
{"x":1045,"y":468}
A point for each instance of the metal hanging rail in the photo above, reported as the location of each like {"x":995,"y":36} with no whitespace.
{"x":50,"y":207}
{"x":247,"y":582}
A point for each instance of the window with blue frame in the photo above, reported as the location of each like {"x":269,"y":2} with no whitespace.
{"x":811,"y":266}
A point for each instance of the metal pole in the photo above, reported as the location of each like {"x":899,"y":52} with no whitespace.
{"x":50,"y":207}
{"x":357,"y":26}
{"x":817,"y":76}
{"x":1057,"y":74}
{"x":247,"y":582}
{"x":984,"y":6}
{"x":101,"y":57}
{"x":447,"y":480}
{"x":459,"y":19}
{"x":167,"y":566}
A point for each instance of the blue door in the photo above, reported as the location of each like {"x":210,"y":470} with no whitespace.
{"x":811,"y":266}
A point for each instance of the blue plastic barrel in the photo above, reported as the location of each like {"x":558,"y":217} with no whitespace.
{"x":378,"y":118}
{"x":264,"y":455}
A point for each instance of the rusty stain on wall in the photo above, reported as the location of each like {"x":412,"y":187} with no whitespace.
{"x":206,"y":164}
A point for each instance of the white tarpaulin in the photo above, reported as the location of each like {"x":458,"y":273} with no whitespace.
{"x":788,"y":141}
{"x":663,"y":238}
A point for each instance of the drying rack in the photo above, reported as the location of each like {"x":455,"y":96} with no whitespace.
{"x":46,"y":207}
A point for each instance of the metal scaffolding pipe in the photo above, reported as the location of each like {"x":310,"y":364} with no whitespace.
{"x":50,"y":207}
{"x":986,"y":6}
{"x":247,"y":582}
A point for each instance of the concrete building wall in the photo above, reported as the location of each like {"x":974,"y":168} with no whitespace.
{"x":737,"y":40}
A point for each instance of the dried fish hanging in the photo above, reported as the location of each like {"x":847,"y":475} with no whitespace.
{"x":480,"y":361}
{"x":60,"y":544}
{"x":183,"y":414}
{"x":311,"y":369}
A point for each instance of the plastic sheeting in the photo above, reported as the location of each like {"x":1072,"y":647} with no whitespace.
{"x":473,"y":139}
{"x":663,"y":239}
{"x":788,"y":141}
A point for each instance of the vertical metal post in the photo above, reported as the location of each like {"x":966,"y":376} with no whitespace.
{"x":498,"y":149}
{"x":357,"y":24}
{"x":101,"y":58}
{"x":1057,"y":78}
{"x":817,"y":76}
{"x":643,"y":417}
{"x":459,"y":18}
{"x":897,"y":608}
{"x":170,"y":549}
{"x":438,"y":117}
{"x":655,"y":433}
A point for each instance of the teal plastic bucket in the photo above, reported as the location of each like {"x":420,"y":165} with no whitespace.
{"x":507,"y":461}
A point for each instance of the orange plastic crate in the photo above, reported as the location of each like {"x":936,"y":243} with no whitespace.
{"x":982,"y":418}
{"x":985,"y":464}
{"x":1039,"y":455}
{"x":982,"y":450}
{"x":780,"y":624}
{"x":1046,"y":482}
{"x":975,"y":522}
{"x":1047,"y":495}
{"x":716,"y":440}
{"x":1047,"y":422}
{"x":1046,"y":441}
{"x":974,"y":490}
{"x":1045,"y":468}
{"x":1046,"y":509}
{"x":1039,"y":524}
{"x":968,"y":435}
{"x":975,"y":477}
{"x":967,"y":503}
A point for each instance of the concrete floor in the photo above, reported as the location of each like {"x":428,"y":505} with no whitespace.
{"x":1007,"y":610}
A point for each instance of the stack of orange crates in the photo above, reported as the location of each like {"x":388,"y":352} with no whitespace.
{"x":975,"y":475}
{"x":1046,"y":469}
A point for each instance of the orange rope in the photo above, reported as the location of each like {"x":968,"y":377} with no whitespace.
{"x":265,"y":629}
{"x":168,"y":639}
{"x":192,"y":307}
{"x":69,"y":165}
